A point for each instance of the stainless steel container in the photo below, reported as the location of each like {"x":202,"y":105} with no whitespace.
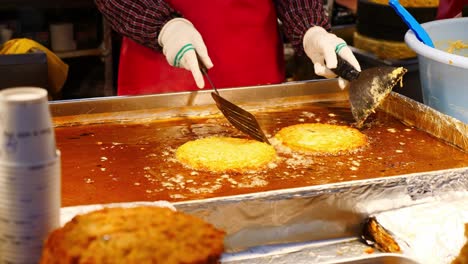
{"x":312,"y":223}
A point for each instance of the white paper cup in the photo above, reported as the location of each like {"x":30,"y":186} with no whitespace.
{"x":30,"y":205}
{"x":30,"y":175}
{"x":30,"y":201}
{"x":32,"y":231}
{"x":22,"y":240}
{"x":29,"y":191}
{"x":16,"y":255}
{"x":27,"y":135}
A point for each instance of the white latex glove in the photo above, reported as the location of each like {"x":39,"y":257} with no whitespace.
{"x":321,"y":47}
{"x":180,"y":40}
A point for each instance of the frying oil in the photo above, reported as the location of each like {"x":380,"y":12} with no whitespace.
{"x":123,"y":162}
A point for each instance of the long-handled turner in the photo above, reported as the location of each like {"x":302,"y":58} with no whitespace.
{"x":238,"y":117}
{"x":369,"y":87}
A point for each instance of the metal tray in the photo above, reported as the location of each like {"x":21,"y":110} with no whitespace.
{"x":340,"y":252}
{"x":318,"y":216}
{"x":381,"y":259}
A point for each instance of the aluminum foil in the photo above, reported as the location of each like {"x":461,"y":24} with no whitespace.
{"x":447,"y":128}
{"x":431,"y":232}
{"x":323,"y":224}
{"x":320,"y":212}
{"x":332,"y":251}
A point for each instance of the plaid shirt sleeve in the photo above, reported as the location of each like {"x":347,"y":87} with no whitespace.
{"x":298,"y":16}
{"x":140,"y":20}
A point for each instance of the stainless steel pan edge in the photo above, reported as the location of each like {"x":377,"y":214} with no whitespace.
{"x":87,"y":106}
{"x":320,"y":212}
{"x":130,"y":108}
{"x":447,"y":128}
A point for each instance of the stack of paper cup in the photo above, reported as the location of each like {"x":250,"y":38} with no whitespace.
{"x":29,"y":174}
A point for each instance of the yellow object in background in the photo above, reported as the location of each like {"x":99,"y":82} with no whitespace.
{"x":57,"y":69}
{"x":456,"y":45}
{"x":383,"y":49}
{"x":411,"y":3}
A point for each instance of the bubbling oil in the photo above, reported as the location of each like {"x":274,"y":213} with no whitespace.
{"x":124,"y":162}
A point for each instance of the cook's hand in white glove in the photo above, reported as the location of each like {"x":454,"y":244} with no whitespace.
{"x":180,"y":40}
{"x":322,"y":47}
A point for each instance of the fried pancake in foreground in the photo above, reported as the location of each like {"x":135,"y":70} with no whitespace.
{"x":223,"y":154}
{"x":462,"y":257}
{"x":321,"y":139}
{"x":134,"y":235}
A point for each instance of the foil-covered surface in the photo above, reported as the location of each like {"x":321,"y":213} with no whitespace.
{"x":447,"y":128}
{"x":332,"y":251}
{"x":313,"y":224}
{"x":323,"y":224}
{"x":432,"y":232}
{"x":320,"y":212}
{"x":328,"y":254}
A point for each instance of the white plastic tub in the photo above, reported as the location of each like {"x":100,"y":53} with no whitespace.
{"x":444,"y":76}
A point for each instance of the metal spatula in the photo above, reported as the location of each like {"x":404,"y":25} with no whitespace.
{"x":238,"y":117}
{"x":369,"y":87}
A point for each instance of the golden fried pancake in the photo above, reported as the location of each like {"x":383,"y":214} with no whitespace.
{"x":462,"y":257}
{"x":142,"y":234}
{"x":222,"y":154}
{"x":321,"y":139}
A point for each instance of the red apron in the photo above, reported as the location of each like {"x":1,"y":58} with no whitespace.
{"x":450,"y":8}
{"x":242,"y":39}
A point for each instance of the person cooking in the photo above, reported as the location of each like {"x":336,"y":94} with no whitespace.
{"x":238,"y":40}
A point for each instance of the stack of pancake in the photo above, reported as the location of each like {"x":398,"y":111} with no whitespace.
{"x":381,"y":31}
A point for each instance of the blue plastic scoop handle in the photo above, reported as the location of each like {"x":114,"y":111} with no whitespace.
{"x":421,"y":34}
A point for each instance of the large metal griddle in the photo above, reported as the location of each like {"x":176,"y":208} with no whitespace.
{"x":314,"y":223}
{"x":124,"y":108}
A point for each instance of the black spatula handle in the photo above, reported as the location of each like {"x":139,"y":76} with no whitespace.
{"x":345,"y":70}
{"x":202,"y":66}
